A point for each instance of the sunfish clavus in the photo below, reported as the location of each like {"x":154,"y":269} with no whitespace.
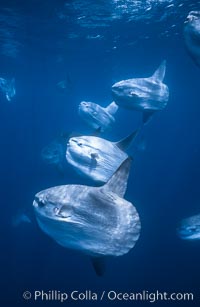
{"x":143,"y":94}
{"x":97,"y":221}
{"x":97,"y":158}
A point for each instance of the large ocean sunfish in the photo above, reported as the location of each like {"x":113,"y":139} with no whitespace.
{"x":96,"y":116}
{"x":143,"y":94}
{"x":95,"y":157}
{"x":97,"y":221}
{"x":189,"y":228}
{"x":192,"y":35}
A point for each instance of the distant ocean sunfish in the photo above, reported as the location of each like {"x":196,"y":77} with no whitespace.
{"x":54,"y":153}
{"x":143,"y":94}
{"x":97,"y":158}
{"x":189,"y":228}
{"x":97,"y":221}
{"x":192,"y":35}
{"x":8,"y":88}
{"x":96,"y":116}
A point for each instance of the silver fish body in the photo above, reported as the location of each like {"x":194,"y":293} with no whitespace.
{"x":94,"y":157}
{"x":189,"y":228}
{"x":143,"y":94}
{"x":95,"y":221}
{"x":96,"y":116}
{"x":192,"y":35}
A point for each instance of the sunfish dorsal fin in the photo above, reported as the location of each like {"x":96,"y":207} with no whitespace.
{"x":159,"y":74}
{"x":112,"y":108}
{"x":125,"y":143}
{"x":118,"y":182}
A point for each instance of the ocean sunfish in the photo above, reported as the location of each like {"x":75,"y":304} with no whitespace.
{"x":189,"y":228}
{"x":54,"y":152}
{"x":19,"y":219}
{"x":96,"y":116}
{"x":95,"y":157}
{"x":143,"y":94}
{"x":192,"y":35}
{"x":97,"y":221}
{"x":8,"y":88}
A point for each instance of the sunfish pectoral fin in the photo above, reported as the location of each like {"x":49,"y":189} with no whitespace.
{"x":98,"y":265}
{"x":146,"y":116}
{"x":159,"y":74}
{"x":118,"y":182}
{"x":112,"y":108}
{"x":94,"y":157}
{"x":125,"y":143}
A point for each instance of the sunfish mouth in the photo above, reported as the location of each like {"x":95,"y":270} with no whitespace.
{"x":38,"y":202}
{"x":193,"y":15}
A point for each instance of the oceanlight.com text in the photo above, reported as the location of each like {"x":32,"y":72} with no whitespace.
{"x":112,"y":295}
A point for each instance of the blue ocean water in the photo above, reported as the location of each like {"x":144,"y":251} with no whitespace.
{"x":90,"y":45}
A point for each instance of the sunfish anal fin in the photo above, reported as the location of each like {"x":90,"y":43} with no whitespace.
{"x":118,"y":182}
{"x":159,"y":74}
{"x":98,"y":265}
{"x":124,"y":143}
{"x":146,"y":116}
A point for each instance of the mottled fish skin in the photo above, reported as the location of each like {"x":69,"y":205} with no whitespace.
{"x":94,"y":157}
{"x":96,"y":116}
{"x":92,"y":220}
{"x":189,"y":228}
{"x":143,"y":94}
{"x":192,"y":35}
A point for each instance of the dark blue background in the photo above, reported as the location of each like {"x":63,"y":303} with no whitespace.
{"x":164,"y":181}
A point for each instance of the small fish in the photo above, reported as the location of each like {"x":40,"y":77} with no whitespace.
{"x":192,"y":36}
{"x":96,"y":116}
{"x":8,"y":88}
{"x":97,"y":221}
{"x":95,"y":157}
{"x":189,"y":228}
{"x":143,"y":94}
